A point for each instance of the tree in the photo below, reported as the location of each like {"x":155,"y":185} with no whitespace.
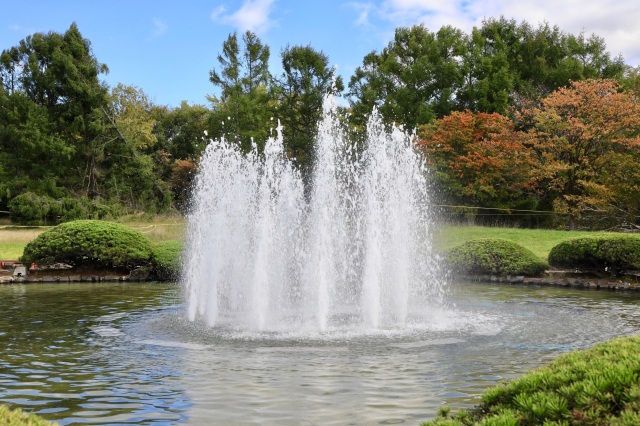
{"x":413,"y":80}
{"x":243,"y":79}
{"x":128,"y":152}
{"x":580,"y":134}
{"x":306,"y":79}
{"x":543,"y":59}
{"x":478,"y":159}
{"x":488,"y":80}
{"x":182,"y":132}
{"x":50,"y":113}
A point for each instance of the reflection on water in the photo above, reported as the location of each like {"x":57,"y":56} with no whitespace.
{"x":64,"y":354}
{"x":124,"y":353}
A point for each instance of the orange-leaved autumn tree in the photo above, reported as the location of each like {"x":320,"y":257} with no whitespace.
{"x":579,"y":134}
{"x":479,"y":159}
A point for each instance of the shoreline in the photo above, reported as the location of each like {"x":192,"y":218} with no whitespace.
{"x":551,"y":279}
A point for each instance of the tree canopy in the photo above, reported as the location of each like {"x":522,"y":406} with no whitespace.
{"x":581,"y":135}
{"x":510,"y":116}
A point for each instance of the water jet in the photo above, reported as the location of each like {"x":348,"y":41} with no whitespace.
{"x":351,"y":251}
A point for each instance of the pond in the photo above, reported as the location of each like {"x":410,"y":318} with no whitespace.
{"x":125,"y":354}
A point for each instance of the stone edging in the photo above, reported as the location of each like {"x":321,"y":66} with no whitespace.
{"x":51,"y":279}
{"x":572,"y":282}
{"x":592,"y":283}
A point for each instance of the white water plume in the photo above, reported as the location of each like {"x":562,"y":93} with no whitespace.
{"x":354,"y":253}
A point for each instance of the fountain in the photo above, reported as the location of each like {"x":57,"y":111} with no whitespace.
{"x":352,"y":252}
{"x":305,"y":305}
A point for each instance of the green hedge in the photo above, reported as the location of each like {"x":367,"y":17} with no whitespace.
{"x":17,"y":417}
{"x":613,"y":253}
{"x":494,"y":256}
{"x":598,"y":386}
{"x":92,"y":243}
{"x":166,"y":260}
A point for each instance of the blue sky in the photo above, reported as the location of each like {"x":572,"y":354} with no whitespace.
{"x":167,"y":48}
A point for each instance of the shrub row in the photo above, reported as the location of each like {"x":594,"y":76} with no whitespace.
{"x":598,"y":386}
{"x":490,"y":256}
{"x":612,"y":254}
{"x":103,"y":245}
{"x":33,"y":209}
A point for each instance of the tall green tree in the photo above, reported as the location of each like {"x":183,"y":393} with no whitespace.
{"x":243,"y":79}
{"x":307,"y":77}
{"x":488,"y":81}
{"x":544,"y":58}
{"x":413,"y":80}
{"x":51,"y":98}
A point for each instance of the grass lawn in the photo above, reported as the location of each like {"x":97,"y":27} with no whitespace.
{"x":539,"y":241}
{"x":13,"y":239}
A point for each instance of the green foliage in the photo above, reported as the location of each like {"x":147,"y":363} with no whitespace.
{"x":494,"y":256}
{"x":32,"y":209}
{"x":17,"y":417}
{"x":242,"y":112}
{"x":166,"y":260}
{"x":306,"y":79}
{"x":595,"y":386}
{"x":92,"y":243}
{"x":50,"y":98}
{"x":423,"y":75}
{"x":413,"y":80}
{"x":64,"y":133}
{"x":615,"y":253}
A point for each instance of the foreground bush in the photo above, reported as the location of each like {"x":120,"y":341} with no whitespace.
{"x":19,"y":418}
{"x":598,"y":386}
{"x":92,"y":243}
{"x":612,"y":253}
{"x":166,"y":260}
{"x":494,"y":256}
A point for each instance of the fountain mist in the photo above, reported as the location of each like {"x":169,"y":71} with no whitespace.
{"x":354,"y":253}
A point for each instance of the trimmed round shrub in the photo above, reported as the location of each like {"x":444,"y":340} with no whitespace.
{"x":166,"y":260}
{"x":615,"y":253}
{"x":17,"y":417}
{"x":90,"y":243}
{"x":494,"y":256}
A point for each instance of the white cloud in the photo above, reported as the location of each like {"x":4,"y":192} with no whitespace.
{"x":364,"y":10}
{"x":614,"y":20}
{"x":253,"y":15}
{"x":218,"y":12}
{"x":160,"y":27}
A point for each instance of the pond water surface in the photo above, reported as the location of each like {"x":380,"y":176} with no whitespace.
{"x":124,"y":354}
